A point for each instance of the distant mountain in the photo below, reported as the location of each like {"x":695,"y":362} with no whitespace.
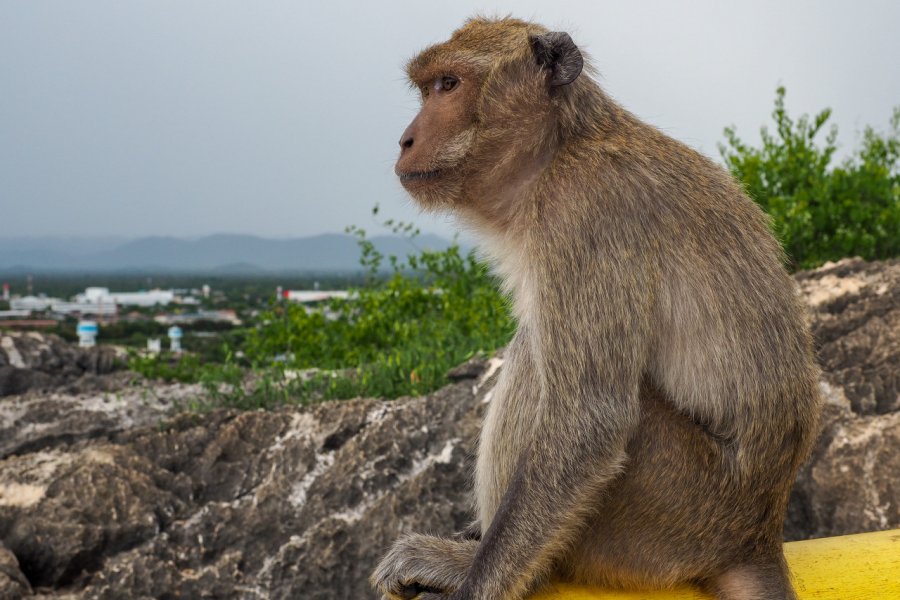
{"x":223,"y":253}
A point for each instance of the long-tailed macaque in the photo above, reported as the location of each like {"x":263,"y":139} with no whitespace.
{"x":660,"y":392}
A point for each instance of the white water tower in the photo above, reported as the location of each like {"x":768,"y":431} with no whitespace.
{"x":87,"y":333}
{"x":175,"y":339}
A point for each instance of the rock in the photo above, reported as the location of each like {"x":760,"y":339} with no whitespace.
{"x":37,"y":421}
{"x":471,"y":369}
{"x":852,"y":481}
{"x":13,"y":584}
{"x":103,"y":496}
{"x":63,"y":511}
{"x":856,"y":325}
{"x":17,"y":381}
{"x":38,"y":361}
{"x":282,"y":504}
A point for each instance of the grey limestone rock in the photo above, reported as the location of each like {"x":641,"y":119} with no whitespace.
{"x":106,"y":494}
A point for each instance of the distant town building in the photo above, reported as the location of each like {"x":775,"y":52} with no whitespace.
{"x":6,"y":291}
{"x":102,"y":295}
{"x":62,"y":307}
{"x":215,"y":316}
{"x":31,"y":303}
{"x":313,"y":296}
{"x":99,"y":302}
{"x":87,"y":333}
{"x":85,"y":308}
{"x":14,"y":314}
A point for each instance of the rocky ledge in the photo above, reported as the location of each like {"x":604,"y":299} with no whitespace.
{"x":36,"y":361}
{"x":102,"y":495}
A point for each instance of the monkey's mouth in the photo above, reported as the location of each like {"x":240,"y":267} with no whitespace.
{"x":419,"y":175}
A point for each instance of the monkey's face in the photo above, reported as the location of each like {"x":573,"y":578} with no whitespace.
{"x":436,"y":143}
{"x":487,"y":101}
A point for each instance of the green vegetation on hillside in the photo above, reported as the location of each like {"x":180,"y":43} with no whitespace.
{"x":400,"y":333}
{"x":397,"y":334}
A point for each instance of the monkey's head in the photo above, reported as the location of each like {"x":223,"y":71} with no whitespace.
{"x":492,"y":97}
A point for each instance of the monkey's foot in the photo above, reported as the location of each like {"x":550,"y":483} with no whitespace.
{"x":421,"y":563}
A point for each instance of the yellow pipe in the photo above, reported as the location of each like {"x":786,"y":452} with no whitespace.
{"x":865,"y":566}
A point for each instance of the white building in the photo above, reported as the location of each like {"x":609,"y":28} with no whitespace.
{"x":61,"y":307}
{"x":14,"y":314}
{"x":311,"y":296}
{"x":102,"y":295}
{"x":33,"y":303}
{"x":100,"y":309}
{"x":220,"y":316}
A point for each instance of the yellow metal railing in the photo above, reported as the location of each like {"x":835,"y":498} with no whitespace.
{"x":850,"y":567}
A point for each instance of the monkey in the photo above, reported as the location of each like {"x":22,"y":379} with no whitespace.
{"x":660,"y":392}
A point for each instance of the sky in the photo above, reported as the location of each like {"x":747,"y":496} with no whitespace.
{"x":281,"y":118}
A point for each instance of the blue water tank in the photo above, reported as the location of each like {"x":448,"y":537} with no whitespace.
{"x":87,"y":327}
{"x":87,"y":333}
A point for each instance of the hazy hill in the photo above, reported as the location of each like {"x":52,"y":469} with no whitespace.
{"x":222,"y":253}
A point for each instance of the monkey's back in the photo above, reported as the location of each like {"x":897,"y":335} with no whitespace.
{"x":730,"y":343}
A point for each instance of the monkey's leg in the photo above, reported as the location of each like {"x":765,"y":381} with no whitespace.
{"x":761,"y":580}
{"x":677,"y":514}
{"x":422,"y":563}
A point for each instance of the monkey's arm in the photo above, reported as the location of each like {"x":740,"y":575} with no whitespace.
{"x":591,"y":350}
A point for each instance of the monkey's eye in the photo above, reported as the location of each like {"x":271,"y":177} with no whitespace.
{"x":446,"y":83}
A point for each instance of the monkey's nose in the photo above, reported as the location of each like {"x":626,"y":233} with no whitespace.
{"x":406,"y":142}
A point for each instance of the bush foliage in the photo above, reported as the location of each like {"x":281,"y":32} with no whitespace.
{"x":820,"y":210}
{"x":398,"y":334}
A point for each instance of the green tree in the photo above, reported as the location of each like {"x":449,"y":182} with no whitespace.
{"x":821,"y":211}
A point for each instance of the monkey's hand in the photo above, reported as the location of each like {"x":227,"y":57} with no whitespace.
{"x":421,"y":563}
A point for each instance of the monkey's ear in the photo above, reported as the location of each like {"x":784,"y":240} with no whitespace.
{"x":557,"y":52}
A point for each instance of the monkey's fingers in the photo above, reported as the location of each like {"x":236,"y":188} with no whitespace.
{"x":420,"y":563}
{"x":413,"y":590}
{"x":399,"y":590}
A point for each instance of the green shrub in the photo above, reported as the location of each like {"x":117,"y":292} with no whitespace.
{"x":396,"y":335}
{"x":399,"y":334}
{"x":170,"y":367}
{"x":822,"y":211}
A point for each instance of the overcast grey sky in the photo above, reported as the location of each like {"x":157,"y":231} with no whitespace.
{"x":281,"y":118}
